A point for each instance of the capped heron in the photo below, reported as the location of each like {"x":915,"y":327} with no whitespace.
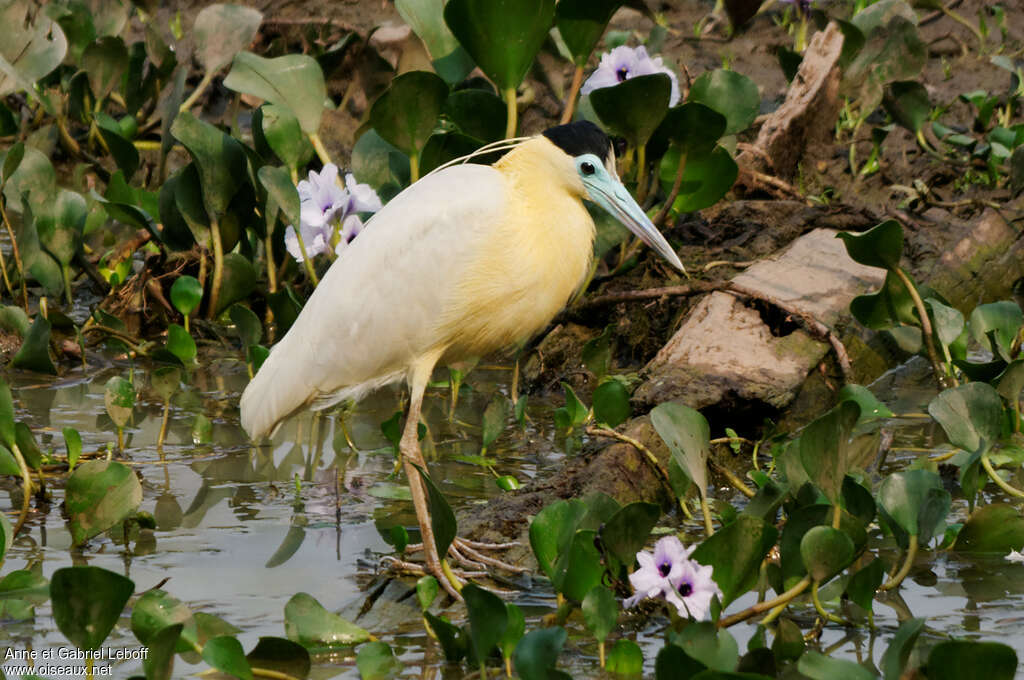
{"x":468,"y":260}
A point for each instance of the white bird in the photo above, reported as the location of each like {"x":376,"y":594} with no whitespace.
{"x":467,"y":260}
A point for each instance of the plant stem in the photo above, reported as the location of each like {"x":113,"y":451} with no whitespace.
{"x":780,"y":601}
{"x":511,"y":124}
{"x":271,"y":272}
{"x":16,"y":251}
{"x":709,"y":529}
{"x":163,"y":427}
{"x":836,"y":516}
{"x":926,"y":325}
{"x":908,"y":562}
{"x":218,"y":268}
{"x":987,"y":464}
{"x":677,"y":183}
{"x":735,"y":481}
{"x":821,"y":608}
{"x":964,"y":22}
{"x":203,"y":84}
{"x":320,"y":149}
{"x":600,"y":652}
{"x":452,"y":578}
{"x":414,"y":167}
{"x":641,"y":173}
{"x":7,"y":280}
{"x":65,"y":269}
{"x":570,"y":106}
{"x":26,"y":482}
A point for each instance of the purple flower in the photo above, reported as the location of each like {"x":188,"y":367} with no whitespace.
{"x":624,"y":63}
{"x":325,"y":206}
{"x":671,"y":575}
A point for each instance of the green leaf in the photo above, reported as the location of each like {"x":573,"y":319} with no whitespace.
{"x":731,"y":94}
{"x":706,"y":178}
{"x":537,"y":653}
{"x":159,"y":661}
{"x":247,"y":325}
{"x":495,"y":417}
{"x":165,"y":381}
{"x":186,"y":294}
{"x":405,"y":115}
{"x":735,"y":553}
{"x":119,"y":397}
{"x":34,"y":354}
{"x":673,"y":663}
{"x":239,"y":280}
{"x":894,"y":661}
{"x":100,"y":494}
{"x":625,"y":657}
{"x":181,"y":344}
{"x":716,"y":649}
{"x":277,"y":181}
{"x":477,"y":113}
{"x":611,"y":404}
{"x":626,"y":532}
{"x":817,"y":666}
{"x":581,"y":24}
{"x":225,"y":654}
{"x":995,"y":528}
{"x":376,"y":661}
{"x":687,"y":435}
{"x":27,"y":445}
{"x":825,"y":448}
{"x":863,"y":584}
{"x":104,"y":61}
{"x":23,"y":584}
{"x":913,"y":501}
{"x":693,"y":128}
{"x":73,"y":443}
{"x":597,"y":355}
{"x":308,"y":623}
{"x":616,"y":106}
{"x":442,"y":519}
{"x":886,"y":309}
{"x":551,"y":532}
{"x":156,"y":611}
{"x":426,"y":17}
{"x":59,"y":224}
{"x":870,"y":406}
{"x":969,"y":414}
{"x":825,"y":552}
{"x":514,"y":629}
{"x":87,"y":602}
{"x":220,"y":31}
{"x":6,"y":415}
{"x":1011,"y":382}
{"x":881,"y":246}
{"x":30,"y":51}
{"x":579,"y":568}
{"x":219,"y":158}
{"x":487,"y":619}
{"x":600,"y":612}
{"x":282,"y":133}
{"x":502,"y":36}
{"x":293,"y":81}
{"x":202,"y":430}
{"x":995,"y":325}
{"x":8,"y":466}
{"x":452,"y":638}
{"x":14,"y":319}
{"x":280,"y":656}
{"x":947,"y":322}
{"x":427,"y":589}
{"x":957,"y":659}
{"x":908,"y":104}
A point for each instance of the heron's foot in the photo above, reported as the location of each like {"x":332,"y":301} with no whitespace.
{"x":469,"y":555}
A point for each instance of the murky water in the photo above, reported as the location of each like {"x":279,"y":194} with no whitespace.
{"x":241,"y":529}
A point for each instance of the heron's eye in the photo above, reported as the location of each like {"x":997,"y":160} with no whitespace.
{"x":587,"y":168}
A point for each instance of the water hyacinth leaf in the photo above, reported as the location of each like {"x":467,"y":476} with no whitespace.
{"x":202,"y":430}
{"x":514,"y":629}
{"x":971,"y":415}
{"x":442,"y":518}
{"x":452,"y":638}
{"x":507,"y":483}
{"x":706,"y":178}
{"x":495,"y":416}
{"x":426,"y":17}
{"x":825,"y":449}
{"x":290,"y":544}
{"x":278,"y":183}
{"x":405,"y":115}
{"x":59,"y":224}
{"x":672,"y":663}
{"x":908,"y":104}
{"x":579,"y":568}
{"x":616,"y":106}
{"x":12,"y":159}
{"x":30,"y":52}
{"x":597,"y":354}
{"x":825,"y":552}
{"x":731,"y":94}
{"x":625,"y":534}
{"x":427,"y":589}
{"x":581,"y":24}
{"x":537,"y":653}
{"x":600,"y":612}
{"x":164,"y":381}
{"x":487,"y":619}
{"x":915,"y":501}
{"x":552,"y":530}
{"x":716,"y":649}
{"x":477,"y":113}
{"x":896,"y":655}
{"x":863,"y":584}
{"x":186,"y":293}
{"x":735,"y":553}
{"x":376,"y":661}
{"x":159,"y":662}
{"x":73,"y":443}
{"x":870,"y":406}
{"x":611,"y":404}
{"x":625,"y":658}
{"x":7,"y":434}
{"x":14,"y":319}
{"x":218,"y":157}
{"x":881,"y":246}
{"x":1017,"y":171}
{"x":278,"y":655}
{"x":104,"y":62}
{"x":892,"y":50}
{"x":502,"y":36}
{"x":948,"y":322}
{"x":993,"y":528}
{"x":221,"y":31}
{"x":955,"y":659}
{"x":155,"y":611}
{"x":100,"y":494}
{"x":817,"y":666}
{"x":26,"y":442}
{"x":371,"y":162}
{"x":6,"y":535}
{"x":34,"y":176}
{"x":247,"y":325}
{"x":225,"y":654}
{"x":802,"y":520}
{"x":687,"y":435}
{"x":34,"y":353}
{"x":886,"y":309}
{"x":87,"y":602}
{"x":309,"y":624}
{"x":574,"y":413}
{"x":1011,"y":382}
{"x":119,"y":397}
{"x":8,"y":466}
{"x":443,"y":147}
{"x":693,"y":128}
{"x":293,"y":81}
{"x":995,"y":325}
{"x":239,"y":280}
{"x":283,"y":135}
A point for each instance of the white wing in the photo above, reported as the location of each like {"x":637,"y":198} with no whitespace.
{"x":376,"y":310}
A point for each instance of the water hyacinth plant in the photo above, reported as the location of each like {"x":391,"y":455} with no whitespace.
{"x":623,"y":63}
{"x":669,"y":574}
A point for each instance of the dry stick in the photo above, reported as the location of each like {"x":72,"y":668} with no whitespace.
{"x":574,"y":90}
{"x":780,"y":601}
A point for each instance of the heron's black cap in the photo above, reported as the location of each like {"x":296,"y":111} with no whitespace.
{"x":579,"y":138}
